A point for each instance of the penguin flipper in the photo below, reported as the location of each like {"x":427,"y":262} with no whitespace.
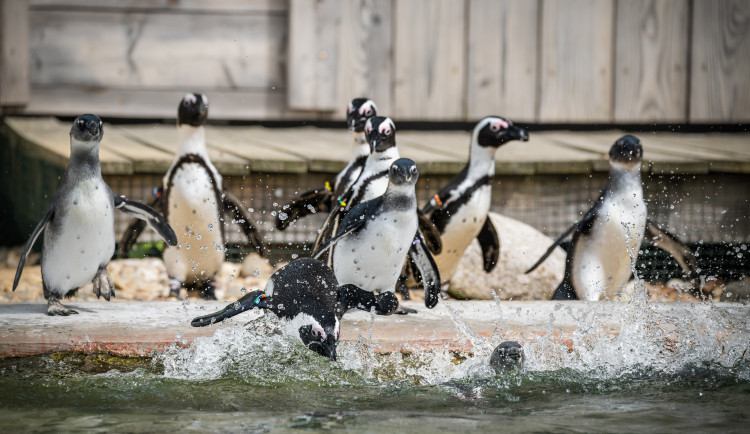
{"x":329,"y":228}
{"x":420,"y":255}
{"x":583,"y":225}
{"x":242,"y":216}
{"x":246,"y":302}
{"x":354,"y":297}
{"x":30,"y":243}
{"x":134,"y":229}
{"x":307,"y":203}
{"x":430,"y":233}
{"x":343,"y":231}
{"x":145,"y":212}
{"x":670,"y":244}
{"x":489,"y":241}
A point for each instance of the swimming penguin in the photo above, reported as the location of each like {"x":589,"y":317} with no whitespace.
{"x":307,"y":298}
{"x":607,"y":239}
{"x":322,"y":199}
{"x":460,"y":209}
{"x":507,"y":355}
{"x":375,"y":236}
{"x":195,"y":202}
{"x":80,"y":237}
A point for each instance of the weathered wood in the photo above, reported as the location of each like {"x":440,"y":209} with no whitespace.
{"x":116,"y":50}
{"x":430,"y":59}
{"x":228,"y":6}
{"x":502,"y":64}
{"x":313,"y":54}
{"x":261,"y":158}
{"x":576,"y":61}
{"x":365,"y":47}
{"x":14,"y":53}
{"x":651,"y":61}
{"x":719,"y":86}
{"x":144,"y":158}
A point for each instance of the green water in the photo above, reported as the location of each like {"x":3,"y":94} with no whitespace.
{"x":300,"y":392}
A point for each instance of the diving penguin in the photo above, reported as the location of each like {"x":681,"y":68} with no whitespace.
{"x":195,"y":202}
{"x":460,"y":210}
{"x":375,"y":237}
{"x":79,"y":239}
{"x":358,"y":112}
{"x":609,"y":236}
{"x":305,"y":295}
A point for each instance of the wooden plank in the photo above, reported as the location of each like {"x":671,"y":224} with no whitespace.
{"x":502,"y":58}
{"x":365,"y":47}
{"x":54,"y":137}
{"x":719,"y":85}
{"x":228,"y":6}
{"x":14,"y":53}
{"x":145,"y":158}
{"x":576,"y":61}
{"x":238,"y":141}
{"x":652,"y":61}
{"x":312,"y":54}
{"x":430,"y":60}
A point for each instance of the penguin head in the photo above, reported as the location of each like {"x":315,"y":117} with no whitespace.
{"x":381,"y":133}
{"x":320,"y":333}
{"x":193,"y":110}
{"x":358,"y":112}
{"x":403,"y":172}
{"x":86,"y":129}
{"x":627,"y":152}
{"x":508,"y":354}
{"x":494,"y":131}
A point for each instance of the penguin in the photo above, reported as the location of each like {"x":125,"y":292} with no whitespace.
{"x":79,"y":234}
{"x":374,"y":238}
{"x":306,"y":296}
{"x":460,"y":210}
{"x":606,"y":241}
{"x":508,"y":355}
{"x":322,"y":199}
{"x":195,"y":202}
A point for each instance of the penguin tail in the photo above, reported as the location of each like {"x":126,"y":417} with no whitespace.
{"x":248,"y":301}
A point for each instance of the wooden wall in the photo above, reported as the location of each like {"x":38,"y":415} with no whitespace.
{"x":546,"y":61}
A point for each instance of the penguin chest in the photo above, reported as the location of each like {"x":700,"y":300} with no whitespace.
{"x":80,"y":239}
{"x":373,"y":257}
{"x":194,"y":212}
{"x":605,"y":256}
{"x":462,"y":227}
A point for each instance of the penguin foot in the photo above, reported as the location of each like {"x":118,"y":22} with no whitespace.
{"x":386,"y":303}
{"x":405,"y":311}
{"x":55,"y":308}
{"x":103,"y":286}
{"x":175,"y":290}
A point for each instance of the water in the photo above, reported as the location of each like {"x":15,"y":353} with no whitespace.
{"x":252,"y":379}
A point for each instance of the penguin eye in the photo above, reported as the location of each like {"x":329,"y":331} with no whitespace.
{"x":81,"y":123}
{"x":368,"y":112}
{"x":494,"y":127}
{"x":100,"y":124}
{"x":413,"y":170}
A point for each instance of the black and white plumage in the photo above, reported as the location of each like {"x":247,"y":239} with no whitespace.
{"x":606,"y":241}
{"x":322,"y":199}
{"x":306,"y":296}
{"x":79,"y":236}
{"x":195,"y":203}
{"x":375,"y":236}
{"x":460,"y":209}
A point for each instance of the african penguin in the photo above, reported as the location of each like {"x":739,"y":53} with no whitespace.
{"x":79,"y":239}
{"x":306,"y":296}
{"x":507,"y":355}
{"x":194,"y":202}
{"x":375,"y":236}
{"x":606,"y":241}
{"x":460,"y":209}
{"x":322,"y":199}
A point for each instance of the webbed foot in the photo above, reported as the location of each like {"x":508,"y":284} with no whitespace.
{"x":103,"y":286}
{"x":55,"y":308}
{"x":174,"y":290}
{"x":405,"y":311}
{"x":386,"y":303}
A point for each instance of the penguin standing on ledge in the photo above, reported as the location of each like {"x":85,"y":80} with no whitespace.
{"x":375,"y":237}
{"x":609,"y":236}
{"x":308,"y":300}
{"x":194,"y":202}
{"x":460,"y":209}
{"x":322,"y":199}
{"x":80,"y":237}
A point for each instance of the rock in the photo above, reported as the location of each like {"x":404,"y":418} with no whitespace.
{"x":737,"y":291}
{"x":520,"y":247}
{"x":255,"y":266}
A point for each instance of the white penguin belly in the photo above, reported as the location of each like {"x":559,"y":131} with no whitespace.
{"x":84,"y":240}
{"x":603,"y":259}
{"x":194,"y":215}
{"x":461,"y":229}
{"x":373,"y":259}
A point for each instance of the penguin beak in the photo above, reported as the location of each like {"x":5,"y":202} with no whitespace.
{"x":518,"y":133}
{"x":329,"y":348}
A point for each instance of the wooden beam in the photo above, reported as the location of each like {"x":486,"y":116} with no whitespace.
{"x":14,"y":53}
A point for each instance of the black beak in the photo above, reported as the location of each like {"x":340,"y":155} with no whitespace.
{"x":329,"y":348}
{"x":518,"y":133}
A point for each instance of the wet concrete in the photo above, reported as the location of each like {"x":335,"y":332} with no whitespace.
{"x":141,"y":328}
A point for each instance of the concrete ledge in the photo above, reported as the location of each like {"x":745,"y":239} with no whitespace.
{"x":141,"y":328}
